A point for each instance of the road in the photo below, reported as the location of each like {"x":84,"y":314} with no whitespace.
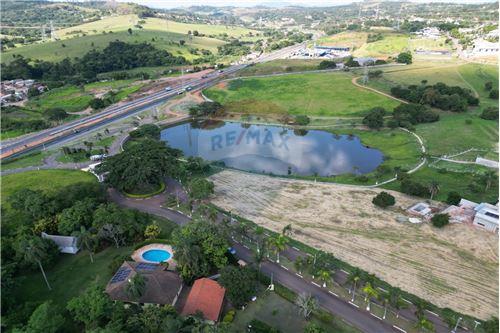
{"x":74,"y":128}
{"x":351,"y":314}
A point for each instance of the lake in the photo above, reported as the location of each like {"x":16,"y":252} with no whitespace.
{"x":273,"y":149}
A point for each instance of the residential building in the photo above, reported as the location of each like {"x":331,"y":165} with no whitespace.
{"x":206,"y":296}
{"x":483,"y":47}
{"x":486,"y":217}
{"x":162,"y":286}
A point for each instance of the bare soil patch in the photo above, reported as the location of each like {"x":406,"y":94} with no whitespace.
{"x":455,"y":267}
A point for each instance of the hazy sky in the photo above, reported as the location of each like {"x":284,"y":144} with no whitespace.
{"x":249,"y":3}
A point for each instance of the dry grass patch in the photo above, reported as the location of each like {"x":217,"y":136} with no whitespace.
{"x":456,"y":267}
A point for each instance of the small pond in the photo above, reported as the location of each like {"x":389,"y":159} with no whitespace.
{"x":273,"y":149}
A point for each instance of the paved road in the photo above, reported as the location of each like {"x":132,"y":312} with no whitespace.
{"x":358,"y":318}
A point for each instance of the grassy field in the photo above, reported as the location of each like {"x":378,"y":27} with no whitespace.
{"x":49,"y":181}
{"x":390,"y":45}
{"x":74,"y":99}
{"x":123,"y":22}
{"x":455,"y":267}
{"x":24,"y":161}
{"x":325,"y":94}
{"x":429,"y":44}
{"x":76,"y":47}
{"x":280,"y":66}
{"x":352,"y":39}
{"x":283,"y":315}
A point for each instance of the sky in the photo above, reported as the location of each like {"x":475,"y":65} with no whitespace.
{"x":250,"y":3}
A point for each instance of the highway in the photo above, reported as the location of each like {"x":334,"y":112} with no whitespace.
{"x":51,"y":136}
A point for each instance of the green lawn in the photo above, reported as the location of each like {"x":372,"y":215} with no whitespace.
{"x":24,"y":161}
{"x":69,"y":277}
{"x":49,"y":181}
{"x":325,"y":94}
{"x":283,"y":315}
{"x":390,"y":45}
{"x":280,"y":66}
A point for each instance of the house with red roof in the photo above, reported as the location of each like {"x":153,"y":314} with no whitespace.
{"x":206,"y":296}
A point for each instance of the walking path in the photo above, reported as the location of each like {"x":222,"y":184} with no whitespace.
{"x":355,"y":82}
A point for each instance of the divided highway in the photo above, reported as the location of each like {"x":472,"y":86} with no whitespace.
{"x":68,"y":130}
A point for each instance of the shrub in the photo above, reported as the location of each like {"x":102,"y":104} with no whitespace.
{"x":148,"y":130}
{"x":488,"y":86}
{"x":404,"y":58}
{"x":453,"y":198}
{"x":375,"y":118}
{"x":258,"y":326}
{"x":327,"y":64}
{"x":55,"y":114}
{"x":324,"y":316}
{"x":493,"y":94}
{"x":351,"y":62}
{"x":384,"y":199}
{"x":411,"y":187}
{"x":490,"y":113}
{"x":229,"y":317}
{"x":313,"y":328}
{"x":440,"y":220}
{"x":302,"y":120}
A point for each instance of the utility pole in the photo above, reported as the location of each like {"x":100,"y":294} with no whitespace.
{"x":456,"y":325}
{"x":53,"y":34}
{"x":44,"y":35}
{"x":365,"y":74}
{"x":359,"y":12}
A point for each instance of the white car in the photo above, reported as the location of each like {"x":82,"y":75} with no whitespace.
{"x":168,"y":88}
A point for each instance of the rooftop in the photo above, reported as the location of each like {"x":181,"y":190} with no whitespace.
{"x":206,"y":296}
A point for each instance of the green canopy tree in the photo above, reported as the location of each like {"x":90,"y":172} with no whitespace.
{"x":240,"y":284}
{"x":200,"y":188}
{"x":34,"y":250}
{"x":92,"y":308}
{"x":142,"y":166}
{"x":136,"y":286}
{"x":46,"y":318}
{"x":277,"y":244}
{"x":370,"y":293}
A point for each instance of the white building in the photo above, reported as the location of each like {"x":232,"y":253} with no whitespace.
{"x":486,"y":217}
{"x":66,"y":244}
{"x":483,"y":47}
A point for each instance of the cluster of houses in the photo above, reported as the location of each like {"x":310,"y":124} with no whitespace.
{"x":429,"y":32}
{"x":481,"y":215}
{"x":14,"y":91}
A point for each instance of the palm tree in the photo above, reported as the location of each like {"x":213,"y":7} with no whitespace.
{"x":385,"y":299}
{"x":370,"y":293}
{"x":259,"y":231}
{"x":258,"y":257}
{"x":354,"y":277}
{"x":307,"y":304}
{"x":433,"y":188}
{"x":87,"y":240}
{"x":278,"y":244}
{"x":396,"y":300}
{"x":423,"y":324}
{"x":299,"y":264}
{"x":324,"y":276}
{"x":34,"y":251}
{"x":136,"y":286}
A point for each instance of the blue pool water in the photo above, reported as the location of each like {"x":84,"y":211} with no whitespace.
{"x":156,"y":255}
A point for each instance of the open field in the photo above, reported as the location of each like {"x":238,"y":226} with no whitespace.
{"x":76,"y":47}
{"x":49,"y":181}
{"x":352,"y":39}
{"x":454,"y":267}
{"x":429,"y":44}
{"x":281,"y":66}
{"x":325,"y":94}
{"x":123,"y":22}
{"x":390,"y":45}
{"x":283,"y":315}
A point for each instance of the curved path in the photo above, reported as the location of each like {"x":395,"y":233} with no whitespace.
{"x":355,"y":82}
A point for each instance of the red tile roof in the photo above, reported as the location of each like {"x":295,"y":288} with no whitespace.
{"x":206,"y":296}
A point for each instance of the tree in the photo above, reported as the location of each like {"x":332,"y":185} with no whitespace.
{"x":77,"y":216}
{"x":375,"y":118}
{"x":488,"y":86}
{"x":453,"y":198}
{"x":324,"y":276}
{"x":97,"y":103}
{"x":45,"y":319}
{"x":129,"y":30}
{"x":33,"y":92}
{"x":493,"y":94}
{"x":34,"y":203}
{"x":354,"y":277}
{"x":200,"y":188}
{"x":141,"y":167}
{"x":423,"y":324}
{"x":152,"y":231}
{"x":385,"y":299}
{"x":182,"y":42}
{"x":490,"y":113}
{"x":412,"y":187}
{"x":34,"y":250}
{"x":384,"y":199}
{"x":240,"y":284}
{"x":200,"y":249}
{"x":491,"y":325}
{"x":351,"y":62}
{"x":278,"y":244}
{"x":92,"y":307}
{"x":287,"y":230}
{"x":404,"y":58}
{"x":396,"y":299}
{"x":327,"y":64}
{"x":307,"y":304}
{"x":55,"y":114}
{"x":433,"y":188}
{"x":440,"y":220}
{"x":302,"y":120}
{"x":136,"y":286}
{"x":488,"y":178}
{"x":151,"y":131}
{"x":87,"y":240}
{"x":370,"y":293}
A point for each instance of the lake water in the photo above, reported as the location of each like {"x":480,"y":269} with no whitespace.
{"x":273,"y":149}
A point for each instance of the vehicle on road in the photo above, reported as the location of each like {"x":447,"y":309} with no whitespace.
{"x":168,"y":88}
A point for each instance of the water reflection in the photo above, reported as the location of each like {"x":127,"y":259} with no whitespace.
{"x":272,"y":149}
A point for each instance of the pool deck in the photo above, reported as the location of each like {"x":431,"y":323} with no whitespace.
{"x":137,"y":254}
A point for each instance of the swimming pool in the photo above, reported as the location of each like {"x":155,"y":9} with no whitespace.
{"x":156,"y":255}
